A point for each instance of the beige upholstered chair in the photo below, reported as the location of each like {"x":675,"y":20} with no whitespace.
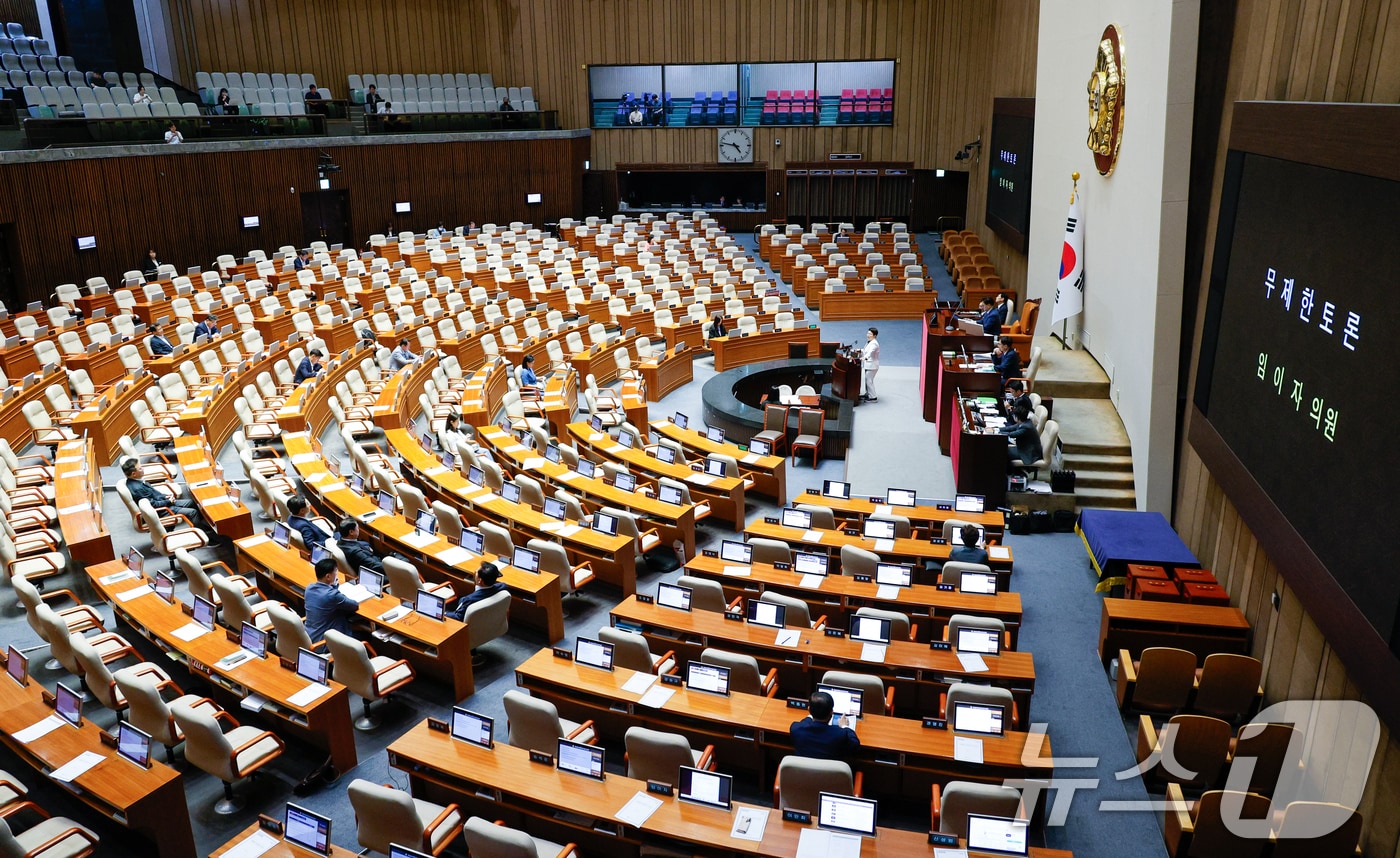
{"x":487,"y":620}
{"x":653,"y":755}
{"x":802,"y":779}
{"x":952,"y":803}
{"x":371,"y":676}
{"x":147,"y":710}
{"x":900,"y":627}
{"x":631,"y":651}
{"x":485,"y":840}
{"x":770,"y":550}
{"x":535,"y":724}
{"x":385,"y":815}
{"x":53,"y":836}
{"x":705,"y":595}
{"x":744,"y":675}
{"x":1160,"y":681}
{"x":228,"y":756}
{"x":875,"y":699}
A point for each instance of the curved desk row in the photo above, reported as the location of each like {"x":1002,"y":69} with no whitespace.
{"x":769,"y":473}
{"x":735,"y":350}
{"x":221,"y":503}
{"x":77,"y":489}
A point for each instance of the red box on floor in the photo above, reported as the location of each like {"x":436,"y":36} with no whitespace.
{"x":1150,"y":590}
{"x":1206,"y":594}
{"x":1194,"y":576}
{"x":1140,"y":572}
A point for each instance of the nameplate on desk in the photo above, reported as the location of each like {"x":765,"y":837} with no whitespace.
{"x":644,"y":599}
{"x":835,"y":633}
{"x":862,"y":579}
{"x":660,"y":788}
{"x":561,"y":652}
{"x":937,"y":839}
{"x":438,"y":725}
{"x":941,"y":645}
{"x":108,"y":739}
{"x":945,"y":507}
{"x":947,"y":588}
{"x":877,"y":500}
{"x":938,"y":540}
{"x":734,"y":615}
{"x":801,"y":817}
{"x":542,"y":758}
{"x":783,"y":567}
{"x":767,"y":520}
{"x":270,"y":825}
{"x":796,"y":703}
{"x":709,"y":552}
{"x":935,"y":723}
{"x":813,"y":492}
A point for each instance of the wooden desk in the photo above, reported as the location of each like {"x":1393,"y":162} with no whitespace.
{"x":221,"y":503}
{"x":921,"y":674}
{"x":839,"y":596}
{"x":858,"y":509}
{"x":18,"y":360}
{"x":339,"y":335}
{"x":78,"y":499}
{"x":148,"y":801}
{"x":560,"y":401}
{"x":323,"y":723}
{"x":103,"y":366}
{"x":895,"y":302}
{"x":108,"y":417}
{"x":441,"y":650}
{"x":1134,"y":624}
{"x":732,"y":351}
{"x":12,"y":423}
{"x":769,"y":473}
{"x":954,"y":376}
{"x":979,"y":457}
{"x":673,"y":371}
{"x":89,"y":304}
{"x":281,"y":850}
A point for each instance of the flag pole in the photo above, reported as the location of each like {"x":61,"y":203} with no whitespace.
{"x":1064,"y":323}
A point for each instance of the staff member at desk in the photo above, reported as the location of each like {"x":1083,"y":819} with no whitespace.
{"x":968,"y":552}
{"x":401,"y":356}
{"x":991,"y":318}
{"x":357,"y":552}
{"x":1016,"y":395}
{"x":207,"y":328}
{"x":1027,"y":440}
{"x":815,"y":736}
{"x":528,"y":379}
{"x":372,"y":100}
{"x":303,"y":256}
{"x":326,"y":606}
{"x":1006,"y":359}
{"x":141,"y":490}
{"x":488,"y":584}
{"x":311,"y":535}
{"x":309,"y":367}
{"x":160,"y":346}
{"x":152,"y":265}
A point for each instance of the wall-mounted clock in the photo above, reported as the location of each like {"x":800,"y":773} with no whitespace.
{"x":1106,"y":89}
{"x":736,"y":145}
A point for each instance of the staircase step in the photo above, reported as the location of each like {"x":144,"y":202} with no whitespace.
{"x":1102,"y":479}
{"x":1104,"y":498}
{"x":1073,"y":448}
{"x":1098,"y":461}
{"x":1071,"y":389}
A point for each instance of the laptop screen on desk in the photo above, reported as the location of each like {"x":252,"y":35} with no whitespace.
{"x":799,"y":518}
{"x":763,"y":613}
{"x":969,"y":503}
{"x":625,"y":439}
{"x":554,"y":508}
{"x":593,"y":653}
{"x":711,"y":788}
{"x":397,"y":851}
{"x":707,"y":677}
{"x":673,"y":596}
{"x":134,"y":561}
{"x":425,"y":522}
{"x":511,"y":492}
{"x":804,"y":563}
{"x":681,"y":420}
{"x":735,"y":552}
{"x":551,"y":453}
{"x":586,"y":468}
{"x":666,"y":454}
{"x":847,"y":700}
{"x":669,"y":494}
{"x":715,"y":434}
{"x":308,"y":830}
{"x":998,"y":834}
{"x":760,"y":447}
{"x":978,"y":582}
{"x":596,"y":424}
{"x":68,"y":704}
{"x":357,"y":483}
{"x":470,"y":727}
{"x":473,"y":541}
{"x":870,"y":629}
{"x":386,"y":501}
{"x":580,"y":759}
{"x":525,"y":558}
{"x":318,"y":553}
{"x":604,"y":523}
{"x":836,"y":489}
{"x":372,"y":581}
{"x":715,"y":467}
{"x":17,"y":666}
{"x":877,"y":529}
{"x":164,"y":586}
{"x":626,"y":482}
{"x":981,"y":641}
{"x":429,"y":604}
{"x":896,"y":574}
{"x":312,"y":666}
{"x":253,"y":639}
{"x":134,"y":744}
{"x":984,"y":718}
{"x":846,"y":813}
{"x":204,"y":612}
{"x":475,"y":476}
{"x":281,"y":534}
{"x":900,"y":497}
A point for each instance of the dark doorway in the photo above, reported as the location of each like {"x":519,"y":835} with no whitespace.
{"x":593,"y":192}
{"x":10,"y":273}
{"x":325,"y":216}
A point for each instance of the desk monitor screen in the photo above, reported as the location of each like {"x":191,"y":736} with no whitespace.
{"x":357,"y":484}
{"x":593,"y":653}
{"x":470,"y":727}
{"x":397,"y":851}
{"x":983,"y":718}
{"x":473,"y":541}
{"x":475,"y":476}
{"x":681,"y":420}
{"x":969,"y":503}
{"x":554,"y":508}
{"x":878,"y":529}
{"x":714,"y":467}
{"x":715,"y":434}
{"x":978,"y":582}
{"x":799,"y":518}
{"x":625,"y":440}
{"x":771,"y":614}
{"x":308,"y":830}
{"x":870,"y":629}
{"x":898,"y":574}
{"x":253,"y":639}
{"x":429,"y":604}
{"x":551,"y":453}
{"x":707,"y":677}
{"x":735,"y":552}
{"x":17,"y":664}
{"x":836,"y":489}
{"x":604,"y":523}
{"x":204,"y":612}
{"x":702,"y":787}
{"x":846,"y":813}
{"x":760,"y":447}
{"x":981,"y":641}
{"x":666,"y":454}
{"x":134,"y":744}
{"x":372,"y":581}
{"x":386,"y":501}
{"x":312,"y":666}
{"x":580,"y":759}
{"x":164,"y":586}
{"x":804,"y":563}
{"x":667,"y":595}
{"x":999,"y":834}
{"x":847,"y":700}
{"x":626,"y":482}
{"x":525,"y":558}
{"x":900,"y":497}
{"x":449,"y":461}
{"x":134,"y":561}
{"x":586,"y":468}
{"x":318,"y":553}
{"x":511,"y":492}
{"x":425,"y":522}
{"x":596,"y":424}
{"x":68,"y":704}
{"x":281,"y":534}
{"x":669,"y":494}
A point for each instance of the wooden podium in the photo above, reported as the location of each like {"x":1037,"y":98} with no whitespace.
{"x":937,"y":339}
{"x":845,"y":376}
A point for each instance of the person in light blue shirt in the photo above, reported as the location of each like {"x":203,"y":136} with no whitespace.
{"x":528,"y":379}
{"x":401,"y":356}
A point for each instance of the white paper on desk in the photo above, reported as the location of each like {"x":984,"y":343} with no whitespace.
{"x":999,"y":552}
{"x":253,"y":702}
{"x":738,"y":571}
{"x":534,"y":462}
{"x":967,"y":749}
{"x":873,"y":653}
{"x":37,"y":729}
{"x":750,"y":458}
{"x":889,"y":592}
{"x":749,"y":824}
{"x":220,"y":501}
{"x":190,"y":631}
{"x":303,"y":458}
{"x":68,"y":460}
{"x":815,"y":843}
{"x":333,"y":486}
{"x":788,"y":637}
{"x":310,"y":478}
{"x":514,"y":448}
{"x":638,"y":809}
{"x":656,"y":696}
{"x":76,"y":508}
{"x":639,"y":683}
{"x":570,"y":476}
{"x":596,"y":436}
{"x":569,"y":530}
{"x":71,"y":770}
{"x":440,"y":469}
{"x":134,"y":593}
{"x":885,"y":545}
{"x":254,"y":540}
{"x":256,"y":844}
{"x":116,"y":576}
{"x":355,"y":591}
{"x":700,"y":479}
{"x":811,"y":582}
{"x":949,"y":853}
{"x":418,"y":539}
{"x":884,"y":509}
{"x":812,"y":536}
{"x":553,"y":526}
{"x":312,"y":692}
{"x":454,"y":555}
{"x":485,"y":497}
{"x":972,"y":662}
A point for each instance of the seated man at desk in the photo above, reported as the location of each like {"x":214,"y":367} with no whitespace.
{"x":207,"y":328}
{"x":303,"y":257}
{"x":309,"y":367}
{"x":1006,"y":359}
{"x":326,"y":606}
{"x":1016,"y":395}
{"x":160,"y":346}
{"x":815,"y":736}
{"x":488,"y":584}
{"x":401,"y":356}
{"x":968,"y":552}
{"x":311,"y":535}
{"x":161,"y":502}
{"x":989,"y":316}
{"x":1027,"y":447}
{"x":357,"y":552}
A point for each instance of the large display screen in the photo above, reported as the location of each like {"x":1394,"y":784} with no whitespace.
{"x":1296,"y":374}
{"x":1009,"y":169}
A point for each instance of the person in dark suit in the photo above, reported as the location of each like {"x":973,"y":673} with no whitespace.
{"x":160,"y":346}
{"x":968,"y":552}
{"x":327,"y":607}
{"x":1006,"y":359}
{"x":151,"y":265}
{"x":506,"y":105}
{"x":309,"y":367}
{"x":815,"y":736}
{"x":357,"y":552}
{"x":990,"y":317}
{"x":160,"y":501}
{"x":1016,"y":395}
{"x":488,"y":584}
{"x":372,"y":100}
{"x":311,"y":535}
{"x":1027,"y":440}
{"x":303,"y":256}
{"x":207,"y":328}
